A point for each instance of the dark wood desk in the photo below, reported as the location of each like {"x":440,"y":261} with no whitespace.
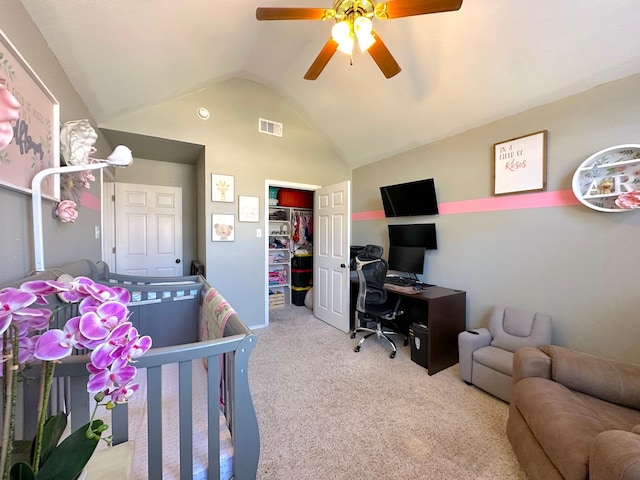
{"x":442,"y":310}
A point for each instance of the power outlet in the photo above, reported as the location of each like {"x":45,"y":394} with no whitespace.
{"x":258,"y":232}
{"x":97,"y":232}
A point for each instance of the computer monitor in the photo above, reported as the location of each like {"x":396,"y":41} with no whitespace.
{"x":413,"y":235}
{"x":406,"y":259}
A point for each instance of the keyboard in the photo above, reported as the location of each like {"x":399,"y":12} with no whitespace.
{"x":401,"y":281}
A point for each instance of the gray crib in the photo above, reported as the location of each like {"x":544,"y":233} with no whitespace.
{"x":168,"y":309}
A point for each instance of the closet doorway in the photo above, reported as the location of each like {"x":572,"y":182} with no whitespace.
{"x":308,"y":248}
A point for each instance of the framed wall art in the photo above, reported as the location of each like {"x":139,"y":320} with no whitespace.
{"x":222,"y":188}
{"x":35,"y":144}
{"x":222,"y":227}
{"x":520,"y":164}
{"x":248,"y":209}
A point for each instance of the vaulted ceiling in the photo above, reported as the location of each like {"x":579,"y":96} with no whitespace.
{"x":460,"y":70}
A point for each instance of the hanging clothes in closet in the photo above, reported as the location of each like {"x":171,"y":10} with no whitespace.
{"x":301,"y":229}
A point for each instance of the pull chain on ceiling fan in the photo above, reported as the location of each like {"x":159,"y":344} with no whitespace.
{"x":353,"y":24}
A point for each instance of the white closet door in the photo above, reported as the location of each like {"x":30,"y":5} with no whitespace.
{"x":332,"y":238}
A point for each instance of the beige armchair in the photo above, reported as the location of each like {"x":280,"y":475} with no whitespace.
{"x":486,"y":354}
{"x":574,"y":415}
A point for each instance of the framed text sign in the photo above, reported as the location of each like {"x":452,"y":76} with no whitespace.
{"x":520,"y":164}
{"x":35,"y":144}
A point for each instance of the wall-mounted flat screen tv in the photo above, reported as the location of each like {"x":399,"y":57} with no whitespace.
{"x":414,"y":235}
{"x":410,"y":199}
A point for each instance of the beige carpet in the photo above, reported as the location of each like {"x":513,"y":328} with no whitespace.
{"x":326,"y":412}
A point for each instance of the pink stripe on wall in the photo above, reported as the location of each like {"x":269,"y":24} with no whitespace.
{"x":559,"y":198}
{"x":90,"y":201}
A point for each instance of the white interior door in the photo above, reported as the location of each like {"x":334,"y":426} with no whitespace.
{"x":332,"y":238}
{"x":148,"y":230}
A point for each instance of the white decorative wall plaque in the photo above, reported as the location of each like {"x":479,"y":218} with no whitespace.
{"x":609,"y":180}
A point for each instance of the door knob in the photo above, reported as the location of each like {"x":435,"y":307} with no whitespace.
{"x":177,"y":260}
{"x":342,"y":265}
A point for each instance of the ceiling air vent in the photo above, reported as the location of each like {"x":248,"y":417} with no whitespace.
{"x":269,"y":127}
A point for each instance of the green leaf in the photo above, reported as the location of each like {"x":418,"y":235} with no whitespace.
{"x":53,"y":430}
{"x":21,"y":471}
{"x":21,"y":451}
{"x":68,"y":459}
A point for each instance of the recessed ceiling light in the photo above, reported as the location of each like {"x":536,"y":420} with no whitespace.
{"x":203,"y":113}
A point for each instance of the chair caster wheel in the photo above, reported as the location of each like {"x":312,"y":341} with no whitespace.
{"x":353,"y":334}
{"x":357,"y":349}
{"x":393,"y":355}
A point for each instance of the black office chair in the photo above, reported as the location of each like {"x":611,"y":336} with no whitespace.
{"x":372,"y":304}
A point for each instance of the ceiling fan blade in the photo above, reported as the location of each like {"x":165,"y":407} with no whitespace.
{"x":276,"y":13}
{"x":407,"y":8}
{"x":383,"y":58}
{"x":321,"y":60}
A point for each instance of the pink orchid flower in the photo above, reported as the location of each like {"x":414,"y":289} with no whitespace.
{"x":105,"y":379}
{"x":105,"y":353}
{"x":12,"y":300}
{"x":96,"y":325}
{"x":122,"y":393}
{"x":32,"y":318}
{"x":137,"y":346}
{"x":26,"y":348}
{"x":56,"y":344}
{"x":77,"y":290}
{"x":42,"y":288}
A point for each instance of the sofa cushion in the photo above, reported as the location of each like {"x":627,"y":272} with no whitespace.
{"x":561,"y":423}
{"x":609,"y":380}
{"x":512,"y":328}
{"x":495,"y":358}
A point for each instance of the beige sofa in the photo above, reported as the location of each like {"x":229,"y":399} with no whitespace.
{"x":574,"y":415}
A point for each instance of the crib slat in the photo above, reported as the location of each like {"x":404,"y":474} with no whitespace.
{"x":244,"y":427}
{"x":213,"y":417}
{"x":154,"y":421}
{"x":186,"y":416}
{"x":119,"y":423}
{"x":79,"y":402}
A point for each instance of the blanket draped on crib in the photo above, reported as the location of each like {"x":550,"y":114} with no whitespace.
{"x":215,"y":313}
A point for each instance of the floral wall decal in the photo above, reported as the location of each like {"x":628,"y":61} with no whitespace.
{"x":9,"y":112}
{"x":77,"y":140}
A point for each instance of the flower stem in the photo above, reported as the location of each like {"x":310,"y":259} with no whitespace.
{"x":10,"y":388}
{"x":45,"y":389}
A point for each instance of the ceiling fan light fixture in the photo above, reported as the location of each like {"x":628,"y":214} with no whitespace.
{"x":341,"y":33}
{"x":362,"y":28}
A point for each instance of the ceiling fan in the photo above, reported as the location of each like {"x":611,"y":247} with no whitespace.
{"x":353,"y":24}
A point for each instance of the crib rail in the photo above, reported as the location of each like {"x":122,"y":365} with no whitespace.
{"x":168,"y":309}
{"x":239,"y":408}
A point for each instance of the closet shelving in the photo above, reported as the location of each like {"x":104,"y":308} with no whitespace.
{"x":287,"y":235}
{"x":279,"y":257}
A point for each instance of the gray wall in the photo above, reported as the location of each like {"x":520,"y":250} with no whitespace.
{"x":234,"y":147}
{"x":62,"y":242}
{"x":576,"y":264}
